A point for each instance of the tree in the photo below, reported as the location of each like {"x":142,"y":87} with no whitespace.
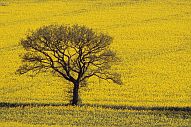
{"x":74,"y":53}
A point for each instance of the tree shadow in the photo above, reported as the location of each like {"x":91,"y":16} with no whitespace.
{"x":115,"y":107}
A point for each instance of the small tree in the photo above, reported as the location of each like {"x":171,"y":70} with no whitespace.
{"x":74,"y":53}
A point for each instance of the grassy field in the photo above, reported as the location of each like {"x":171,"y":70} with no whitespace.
{"x":90,"y":116}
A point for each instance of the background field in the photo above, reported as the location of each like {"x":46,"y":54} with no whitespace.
{"x":153,"y":38}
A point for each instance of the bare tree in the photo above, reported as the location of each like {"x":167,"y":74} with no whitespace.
{"x":74,"y":53}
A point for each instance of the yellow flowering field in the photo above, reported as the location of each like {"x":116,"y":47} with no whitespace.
{"x":90,"y":117}
{"x":152,"y":37}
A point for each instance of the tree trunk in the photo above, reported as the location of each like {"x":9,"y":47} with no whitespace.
{"x":75,"y":94}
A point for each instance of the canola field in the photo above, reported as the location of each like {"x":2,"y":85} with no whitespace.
{"x":152,"y":37}
{"x":90,"y":117}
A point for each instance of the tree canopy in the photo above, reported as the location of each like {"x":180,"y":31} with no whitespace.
{"x":74,"y":53}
